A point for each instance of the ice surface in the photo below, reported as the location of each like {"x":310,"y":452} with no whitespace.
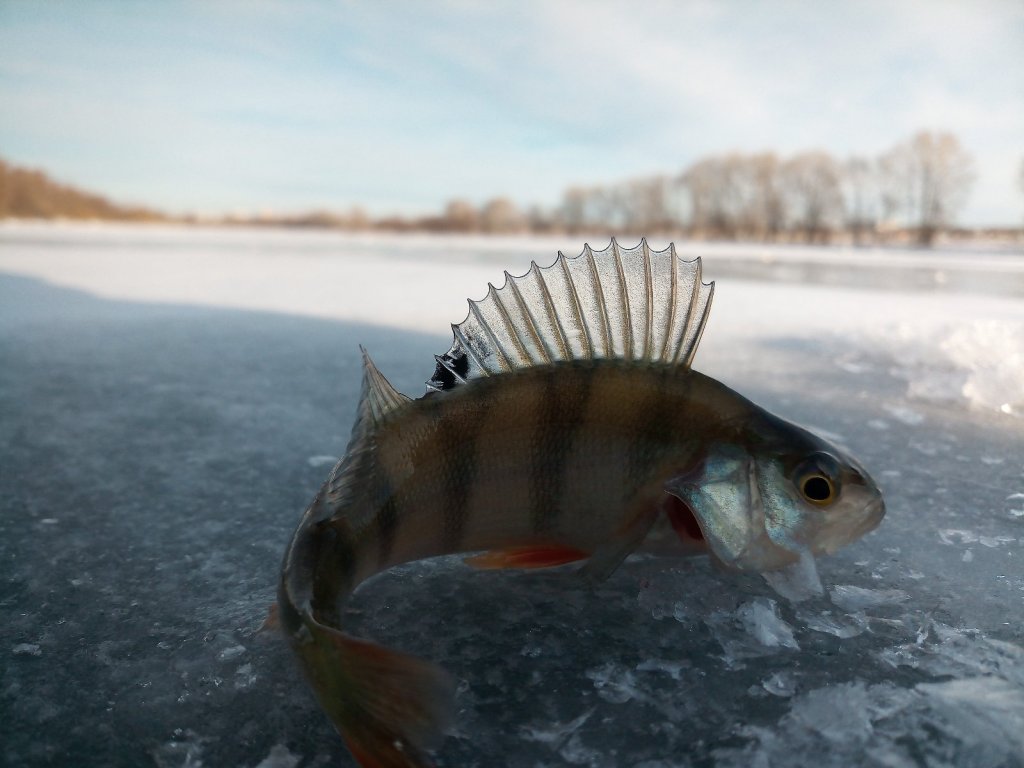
{"x":171,"y":402}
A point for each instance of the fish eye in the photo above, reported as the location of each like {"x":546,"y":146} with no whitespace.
{"x":817,"y":479}
{"x":817,"y":488}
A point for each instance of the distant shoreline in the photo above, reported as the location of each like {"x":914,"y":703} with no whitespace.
{"x":995,"y":240}
{"x":31,"y":195}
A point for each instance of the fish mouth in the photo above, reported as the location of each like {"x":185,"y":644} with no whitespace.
{"x":873,"y":514}
{"x":841,"y":535}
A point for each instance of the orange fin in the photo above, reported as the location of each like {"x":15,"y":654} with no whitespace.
{"x":532,"y":556}
{"x":389,"y":707}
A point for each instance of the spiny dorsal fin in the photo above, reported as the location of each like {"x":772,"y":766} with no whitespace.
{"x":618,"y":303}
{"x":378,"y":398}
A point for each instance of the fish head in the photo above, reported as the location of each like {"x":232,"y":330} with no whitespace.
{"x":775,"y":492}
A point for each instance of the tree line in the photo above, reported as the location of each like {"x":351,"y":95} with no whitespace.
{"x":911,"y":191}
{"x":916,"y":188}
{"x":31,"y":194}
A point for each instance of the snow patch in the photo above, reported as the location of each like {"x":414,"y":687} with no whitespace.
{"x":980,"y":362}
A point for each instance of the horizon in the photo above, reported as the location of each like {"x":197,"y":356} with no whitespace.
{"x":213,"y":110}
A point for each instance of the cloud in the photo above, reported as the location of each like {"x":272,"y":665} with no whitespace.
{"x":401,"y":106}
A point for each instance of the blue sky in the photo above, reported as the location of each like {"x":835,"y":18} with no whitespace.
{"x":285,"y":106}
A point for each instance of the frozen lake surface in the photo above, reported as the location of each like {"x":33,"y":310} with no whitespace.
{"x":171,"y":400}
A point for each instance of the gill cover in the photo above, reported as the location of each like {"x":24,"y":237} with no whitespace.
{"x":744,"y":532}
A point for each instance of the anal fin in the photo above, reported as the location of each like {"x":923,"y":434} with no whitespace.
{"x":530,"y":556}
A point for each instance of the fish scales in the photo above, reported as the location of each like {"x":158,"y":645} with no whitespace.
{"x":542,"y":441}
{"x":532,"y":448}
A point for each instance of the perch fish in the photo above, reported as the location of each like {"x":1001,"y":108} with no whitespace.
{"x":565,"y":423}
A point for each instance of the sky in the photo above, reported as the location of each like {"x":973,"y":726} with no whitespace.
{"x":216,"y":107}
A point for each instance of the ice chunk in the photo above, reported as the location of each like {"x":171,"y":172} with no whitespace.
{"x":983,"y":711}
{"x":780,"y":684}
{"x":26,"y":649}
{"x":279,"y":757}
{"x":761,"y":619}
{"x":231,"y":653}
{"x":842,"y":627}
{"x":840,"y":713}
{"x":244,"y":677}
{"x":798,"y":582}
{"x":673,"y":669}
{"x":905,"y":414}
{"x":957,"y":536}
{"x":614,"y":683}
{"x":185,"y":750}
{"x":995,"y":541}
{"x":852,"y":598}
{"x":322,"y":460}
{"x":1017,"y":502}
{"x":555,"y":734}
{"x":577,"y":753}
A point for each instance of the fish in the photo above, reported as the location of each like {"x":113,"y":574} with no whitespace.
{"x":564,"y":424}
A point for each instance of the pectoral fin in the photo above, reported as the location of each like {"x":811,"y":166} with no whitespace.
{"x":607,"y":558}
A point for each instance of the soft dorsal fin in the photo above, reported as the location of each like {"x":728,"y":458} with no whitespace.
{"x":618,"y":303}
{"x":378,"y":397}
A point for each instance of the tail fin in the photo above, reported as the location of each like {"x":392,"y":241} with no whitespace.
{"x":389,"y":707}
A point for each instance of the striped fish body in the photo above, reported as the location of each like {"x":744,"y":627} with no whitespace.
{"x":564,"y":423}
{"x":562,"y":454}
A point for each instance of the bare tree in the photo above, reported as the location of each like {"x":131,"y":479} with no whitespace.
{"x":860,"y":196}
{"x":811,"y":181}
{"x":574,"y":209}
{"x":809,"y":196}
{"x":502,"y":216}
{"x":736,"y":195}
{"x":928,"y":179}
{"x":766,"y":201}
{"x":460,"y":216}
{"x":715,"y":198}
